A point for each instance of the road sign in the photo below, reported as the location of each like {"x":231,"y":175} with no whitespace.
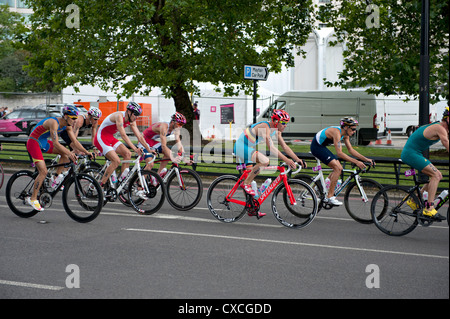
{"x":254,"y":72}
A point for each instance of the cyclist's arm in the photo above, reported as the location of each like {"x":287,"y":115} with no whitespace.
{"x":443,"y":137}
{"x":162,"y":133}
{"x":287,"y":149}
{"x":272,"y":148}
{"x":94,"y":132}
{"x":53,"y":128}
{"x":344,"y":156}
{"x":76,"y":144}
{"x":178,"y":141}
{"x":123,"y":134}
{"x":353,"y":152}
{"x":140,"y":137}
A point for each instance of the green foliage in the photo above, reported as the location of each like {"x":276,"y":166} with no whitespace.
{"x":387,"y":58}
{"x":132,"y":46}
{"x":12,"y":58}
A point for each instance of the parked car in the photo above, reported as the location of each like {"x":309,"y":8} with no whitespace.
{"x":56,"y":110}
{"x":21,"y":121}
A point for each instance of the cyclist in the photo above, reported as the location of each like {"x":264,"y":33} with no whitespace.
{"x":38,"y":142}
{"x":89,"y":121}
{"x":111,"y":148}
{"x":261,"y":132}
{"x":334,"y":135}
{"x":412,"y":154}
{"x":160,"y":130}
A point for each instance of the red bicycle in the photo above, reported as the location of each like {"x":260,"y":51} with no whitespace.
{"x":294,"y":203}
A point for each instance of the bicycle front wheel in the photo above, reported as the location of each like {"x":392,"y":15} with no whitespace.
{"x":394,"y":210}
{"x":147,"y":192}
{"x":82,"y":198}
{"x":358,"y":200}
{"x":20,"y":186}
{"x":184,"y":190}
{"x":304,"y":209}
{"x":218,"y":204}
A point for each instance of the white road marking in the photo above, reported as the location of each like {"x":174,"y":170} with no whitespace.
{"x":286,"y":242}
{"x":29,"y":285}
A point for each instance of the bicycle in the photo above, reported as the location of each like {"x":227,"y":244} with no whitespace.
{"x":136,"y":190}
{"x":228,"y":202}
{"x":397,"y":210}
{"x":357,"y":196}
{"x":184,"y":187}
{"x":85,"y":190}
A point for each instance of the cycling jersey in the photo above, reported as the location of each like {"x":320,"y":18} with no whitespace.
{"x":105,"y":141}
{"x":38,"y":140}
{"x":319,"y":146}
{"x":412,"y":153}
{"x":65,"y":136}
{"x":245,"y":144}
{"x":151,"y":137}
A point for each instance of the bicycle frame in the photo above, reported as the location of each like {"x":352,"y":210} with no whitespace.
{"x":281,"y":178}
{"x":354,"y":173}
{"x":175,"y":167}
{"x":416,"y":187}
{"x":135,"y":170}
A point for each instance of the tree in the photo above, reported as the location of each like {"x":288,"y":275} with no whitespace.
{"x":12,"y":56}
{"x":382,"y":40}
{"x":133,"y":46}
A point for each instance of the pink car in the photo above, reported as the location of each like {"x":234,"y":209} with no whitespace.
{"x":21,"y":121}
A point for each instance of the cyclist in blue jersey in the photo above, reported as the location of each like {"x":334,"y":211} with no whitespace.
{"x":262,"y":132}
{"x":334,"y":135}
{"x":44,"y":139}
{"x":412,"y":154}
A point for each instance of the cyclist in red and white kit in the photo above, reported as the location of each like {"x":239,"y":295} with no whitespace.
{"x":111,"y":148}
{"x":160,"y":130}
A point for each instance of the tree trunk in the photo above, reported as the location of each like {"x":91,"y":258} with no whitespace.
{"x":184,"y":106}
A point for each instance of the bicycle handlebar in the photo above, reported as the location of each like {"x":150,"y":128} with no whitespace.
{"x":289,"y":169}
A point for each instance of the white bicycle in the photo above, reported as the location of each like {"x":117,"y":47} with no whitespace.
{"x":358,"y":196}
{"x":138,"y":189}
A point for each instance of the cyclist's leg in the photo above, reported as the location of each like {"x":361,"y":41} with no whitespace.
{"x":123,"y":151}
{"x":34,"y":149}
{"x":336,"y":166}
{"x":261,"y":161}
{"x":435,"y":177}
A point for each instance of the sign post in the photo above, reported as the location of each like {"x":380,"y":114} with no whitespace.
{"x":255,"y":73}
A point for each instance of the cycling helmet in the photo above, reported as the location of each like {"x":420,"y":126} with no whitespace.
{"x":280,"y":115}
{"x":135,"y":108}
{"x":95,"y":112}
{"x":445,"y":114}
{"x":349,"y":121}
{"x":179,"y":118}
{"x":70,"y":110}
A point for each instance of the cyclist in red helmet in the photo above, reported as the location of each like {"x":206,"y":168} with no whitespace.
{"x":156,"y":137}
{"x":261,"y":132}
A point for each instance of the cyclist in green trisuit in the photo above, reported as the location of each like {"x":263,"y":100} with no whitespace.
{"x":412,"y":154}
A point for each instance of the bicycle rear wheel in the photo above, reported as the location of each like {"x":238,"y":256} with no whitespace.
{"x":82,"y":198}
{"x":303,"y":212}
{"x":184,"y":192}
{"x":356,"y":206}
{"x":391,"y":213}
{"x":20,"y":186}
{"x":219,"y":206}
{"x":146,"y":196}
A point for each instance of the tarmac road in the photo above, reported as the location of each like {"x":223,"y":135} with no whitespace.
{"x":191,"y":255}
